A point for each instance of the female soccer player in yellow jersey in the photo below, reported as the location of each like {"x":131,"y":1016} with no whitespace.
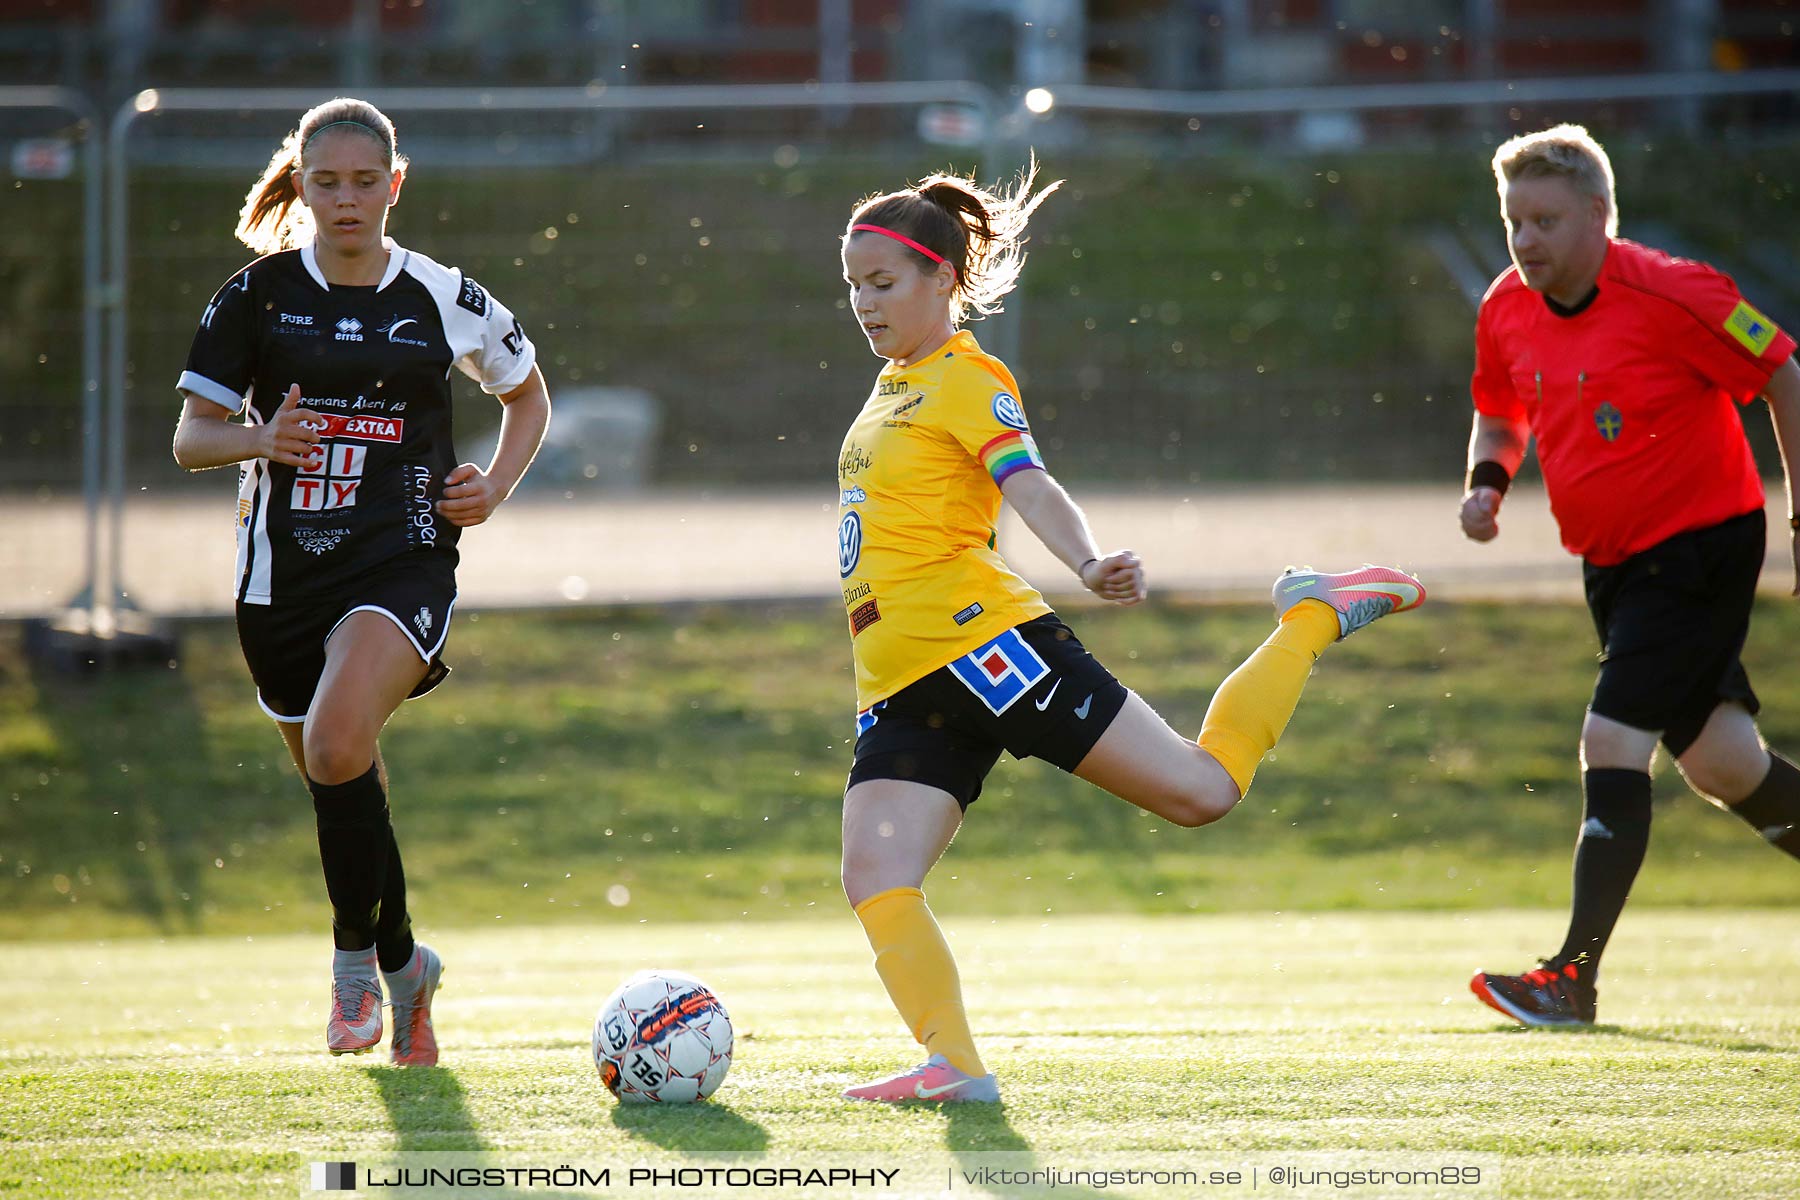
{"x":958,"y":658}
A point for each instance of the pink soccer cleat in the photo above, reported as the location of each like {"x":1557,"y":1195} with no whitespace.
{"x":1358,"y":597}
{"x":415,"y":1043}
{"x":934,"y":1081}
{"x":355,"y":1022}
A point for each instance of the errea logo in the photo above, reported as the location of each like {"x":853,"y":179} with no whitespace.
{"x":349,"y":329}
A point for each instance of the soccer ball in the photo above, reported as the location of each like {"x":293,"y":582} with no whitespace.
{"x":662,"y":1038}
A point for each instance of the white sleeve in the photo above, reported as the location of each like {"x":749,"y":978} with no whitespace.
{"x":490,"y":345}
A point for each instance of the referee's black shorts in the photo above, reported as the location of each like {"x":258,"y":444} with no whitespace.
{"x":284,"y":642}
{"x":1672,"y":621}
{"x":1033,"y":691}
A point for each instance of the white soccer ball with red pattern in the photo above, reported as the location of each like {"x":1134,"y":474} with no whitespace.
{"x":662,"y":1038}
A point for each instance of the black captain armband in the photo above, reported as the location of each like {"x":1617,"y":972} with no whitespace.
{"x":1488,"y":473}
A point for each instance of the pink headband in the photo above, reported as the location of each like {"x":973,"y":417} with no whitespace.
{"x":933,"y":255}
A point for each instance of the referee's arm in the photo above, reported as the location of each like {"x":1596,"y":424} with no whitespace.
{"x":1783,"y":396}
{"x":1497,"y":440}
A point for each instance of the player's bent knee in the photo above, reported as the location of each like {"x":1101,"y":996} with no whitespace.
{"x":860,"y":874}
{"x":860,"y":885}
{"x":1727,"y":781}
{"x":335,"y":757}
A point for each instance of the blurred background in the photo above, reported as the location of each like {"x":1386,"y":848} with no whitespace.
{"x":1244,"y":338}
{"x":1260,"y":275}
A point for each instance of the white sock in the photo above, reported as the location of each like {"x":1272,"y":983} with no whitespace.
{"x":353,"y":963}
{"x":401,"y":982}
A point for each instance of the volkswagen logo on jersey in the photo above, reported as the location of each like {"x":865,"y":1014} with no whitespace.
{"x":849,"y":543}
{"x":1008,"y":412}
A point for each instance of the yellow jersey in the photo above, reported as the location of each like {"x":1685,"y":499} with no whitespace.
{"x":918,"y":504}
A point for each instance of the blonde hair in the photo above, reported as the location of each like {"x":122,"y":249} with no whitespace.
{"x":1567,"y":151}
{"x":980,"y":233}
{"x":272,"y":217}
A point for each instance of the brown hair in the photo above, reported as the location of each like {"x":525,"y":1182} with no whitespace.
{"x":979,"y":233}
{"x":272,"y":218}
{"x":1567,"y":152}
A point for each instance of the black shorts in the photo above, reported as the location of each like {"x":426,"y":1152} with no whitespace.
{"x":1032,"y":691}
{"x":284,"y":642}
{"x":1672,"y":621}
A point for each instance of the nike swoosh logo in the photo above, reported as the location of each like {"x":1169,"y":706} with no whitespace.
{"x":1082,"y":712}
{"x":1405,"y":593}
{"x":925,"y":1093}
{"x":1045,"y":702}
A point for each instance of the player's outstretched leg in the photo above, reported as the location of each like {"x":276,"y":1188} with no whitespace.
{"x":1313,"y":610}
{"x":411,"y":989}
{"x":1554,"y":994}
{"x":355,"y":1021}
{"x":1358,"y":597}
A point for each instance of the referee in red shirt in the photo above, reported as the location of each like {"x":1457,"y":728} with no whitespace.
{"x":1625,"y":364}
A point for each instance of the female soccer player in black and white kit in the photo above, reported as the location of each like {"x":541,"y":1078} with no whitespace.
{"x":337,"y":347}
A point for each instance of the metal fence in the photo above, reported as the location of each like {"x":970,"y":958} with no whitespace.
{"x":50,"y":345}
{"x":1209,"y":298}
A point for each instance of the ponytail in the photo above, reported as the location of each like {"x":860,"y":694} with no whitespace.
{"x":273,"y":218}
{"x":979,"y":233}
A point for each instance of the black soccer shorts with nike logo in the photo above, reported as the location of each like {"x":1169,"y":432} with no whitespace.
{"x":1033,"y":691}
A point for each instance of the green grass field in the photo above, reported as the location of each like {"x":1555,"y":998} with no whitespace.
{"x":596,"y":792}
{"x":691,"y":766}
{"x":194,"y":1067}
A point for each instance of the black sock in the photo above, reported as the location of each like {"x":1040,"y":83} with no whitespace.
{"x":393,"y":926}
{"x":354,"y":842}
{"x":1773,"y":809}
{"x":1615,"y":831}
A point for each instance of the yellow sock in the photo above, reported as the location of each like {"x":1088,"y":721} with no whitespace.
{"x":1257,"y":700}
{"x":914,"y":962}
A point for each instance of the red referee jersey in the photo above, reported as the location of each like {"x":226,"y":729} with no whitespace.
{"x":1630,"y":396}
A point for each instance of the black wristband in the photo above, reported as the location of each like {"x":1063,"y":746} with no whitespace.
{"x":1081,"y":571}
{"x":1488,"y":473}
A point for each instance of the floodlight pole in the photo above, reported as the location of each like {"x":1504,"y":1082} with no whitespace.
{"x":92,"y":161}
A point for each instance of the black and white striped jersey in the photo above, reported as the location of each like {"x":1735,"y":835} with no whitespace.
{"x":375,"y":363}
